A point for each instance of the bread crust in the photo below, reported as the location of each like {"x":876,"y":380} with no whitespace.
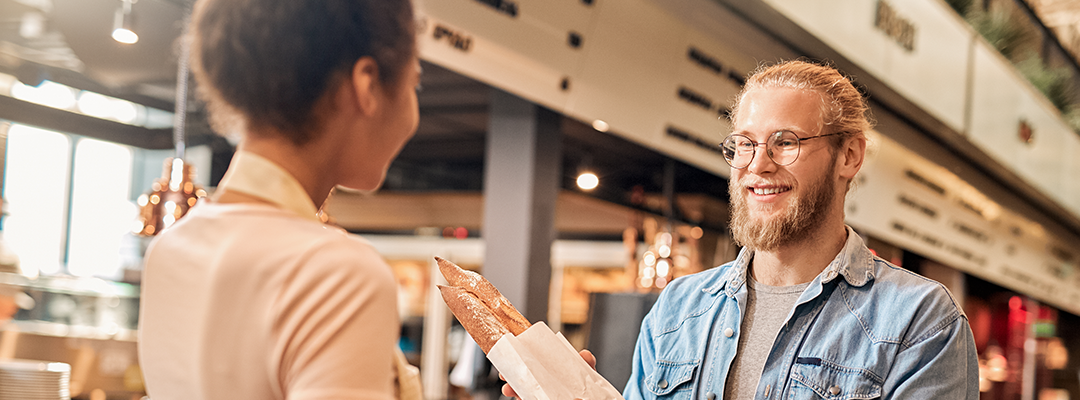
{"x":477,"y":319}
{"x":487,"y":293}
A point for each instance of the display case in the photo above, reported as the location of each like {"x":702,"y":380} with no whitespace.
{"x":88,"y":323}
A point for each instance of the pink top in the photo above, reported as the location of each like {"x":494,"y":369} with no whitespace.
{"x":254,"y":301}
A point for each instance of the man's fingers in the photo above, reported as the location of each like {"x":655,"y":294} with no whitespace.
{"x":589,"y":358}
{"x":585,"y":354}
{"x":508,"y":391}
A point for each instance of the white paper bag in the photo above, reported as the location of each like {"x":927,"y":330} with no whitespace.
{"x":541,"y":365}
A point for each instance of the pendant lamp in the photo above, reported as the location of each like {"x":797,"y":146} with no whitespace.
{"x":172,"y":195}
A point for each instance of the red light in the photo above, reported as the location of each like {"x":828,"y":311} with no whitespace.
{"x":461,"y":232}
{"x":1015,"y":303}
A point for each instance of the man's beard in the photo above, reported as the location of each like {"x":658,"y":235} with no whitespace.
{"x":796,"y":223}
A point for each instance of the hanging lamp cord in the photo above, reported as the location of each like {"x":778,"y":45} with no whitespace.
{"x":180,"y":113}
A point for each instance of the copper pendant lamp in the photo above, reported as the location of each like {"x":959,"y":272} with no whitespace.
{"x":172,"y":195}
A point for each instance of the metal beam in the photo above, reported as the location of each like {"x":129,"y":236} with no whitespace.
{"x":24,"y":112}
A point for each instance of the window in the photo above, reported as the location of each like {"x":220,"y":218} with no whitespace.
{"x":70,"y":204}
{"x":35,"y":189}
{"x":101,"y":209}
{"x":69,"y":200}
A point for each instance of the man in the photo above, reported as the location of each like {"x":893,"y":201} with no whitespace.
{"x":806,"y":310}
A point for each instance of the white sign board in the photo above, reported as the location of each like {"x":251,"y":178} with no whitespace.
{"x":659,"y":73}
{"x":917,"y":205}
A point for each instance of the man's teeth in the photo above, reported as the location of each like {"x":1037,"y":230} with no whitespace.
{"x":765,"y":191}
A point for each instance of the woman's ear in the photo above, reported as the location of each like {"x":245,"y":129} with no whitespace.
{"x":852,"y":154}
{"x":365,"y":82}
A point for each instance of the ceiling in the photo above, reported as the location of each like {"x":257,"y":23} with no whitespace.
{"x":73,"y":46}
{"x":68,"y":41}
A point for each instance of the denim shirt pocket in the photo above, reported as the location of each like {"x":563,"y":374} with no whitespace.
{"x":671,"y":380}
{"x":813,"y":378}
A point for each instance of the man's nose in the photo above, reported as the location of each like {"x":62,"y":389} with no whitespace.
{"x":762,"y":162}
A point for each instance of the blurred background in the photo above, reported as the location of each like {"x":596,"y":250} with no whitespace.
{"x":567,"y":150}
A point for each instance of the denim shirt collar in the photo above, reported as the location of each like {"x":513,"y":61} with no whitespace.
{"x":855,"y":263}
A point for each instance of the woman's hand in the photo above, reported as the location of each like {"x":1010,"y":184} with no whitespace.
{"x":587,"y":355}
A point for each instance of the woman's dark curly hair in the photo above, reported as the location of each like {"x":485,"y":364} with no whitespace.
{"x":268,"y":63}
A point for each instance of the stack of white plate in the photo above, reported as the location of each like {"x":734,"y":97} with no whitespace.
{"x":34,"y":380}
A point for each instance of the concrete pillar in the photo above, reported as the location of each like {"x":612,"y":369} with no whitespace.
{"x":522,"y":172}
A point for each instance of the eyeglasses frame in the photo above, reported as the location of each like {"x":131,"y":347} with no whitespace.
{"x":798,"y":140}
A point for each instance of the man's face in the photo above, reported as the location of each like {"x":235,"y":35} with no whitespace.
{"x":773,"y":205}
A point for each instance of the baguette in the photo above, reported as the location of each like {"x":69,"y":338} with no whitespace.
{"x":477,"y":319}
{"x":472,"y":299}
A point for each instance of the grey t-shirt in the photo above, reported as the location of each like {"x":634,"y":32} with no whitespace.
{"x":767,"y":308}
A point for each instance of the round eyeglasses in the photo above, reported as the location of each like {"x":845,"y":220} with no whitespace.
{"x":782,"y":148}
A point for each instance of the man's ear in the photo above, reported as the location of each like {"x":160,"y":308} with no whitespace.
{"x":365,"y":82}
{"x":852,"y":154}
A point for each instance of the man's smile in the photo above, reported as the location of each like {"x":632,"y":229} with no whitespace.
{"x":767,"y":190}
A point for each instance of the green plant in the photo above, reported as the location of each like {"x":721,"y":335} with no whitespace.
{"x":1052,"y":82}
{"x":1072,"y":117}
{"x":1009,"y":35}
{"x":960,"y":6}
{"x":1000,"y":29}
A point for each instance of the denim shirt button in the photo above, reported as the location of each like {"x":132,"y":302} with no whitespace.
{"x":834,"y":390}
{"x":728,"y":332}
{"x":710,"y":396}
{"x":662,"y":384}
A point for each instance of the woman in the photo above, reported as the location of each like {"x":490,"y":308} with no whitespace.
{"x":249,"y":296}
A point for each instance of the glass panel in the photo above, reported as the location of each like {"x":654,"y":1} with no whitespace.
{"x":48,"y":93}
{"x":101,"y":212}
{"x":35,"y":188}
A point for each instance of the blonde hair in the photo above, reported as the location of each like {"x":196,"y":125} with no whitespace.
{"x":843,"y":108}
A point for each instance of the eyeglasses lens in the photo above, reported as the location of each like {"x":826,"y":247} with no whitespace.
{"x":738,"y":150}
{"x":782,"y":147}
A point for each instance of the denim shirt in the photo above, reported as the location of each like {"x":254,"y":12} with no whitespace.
{"x":862,"y":329}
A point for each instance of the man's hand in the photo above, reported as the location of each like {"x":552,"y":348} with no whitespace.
{"x":587,"y":355}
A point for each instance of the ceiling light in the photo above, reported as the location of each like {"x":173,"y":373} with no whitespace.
{"x":588,"y":181}
{"x":122,"y":24}
{"x":32,"y":25}
{"x":600,"y":125}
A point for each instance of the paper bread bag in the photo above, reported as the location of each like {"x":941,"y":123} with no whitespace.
{"x":542,"y":365}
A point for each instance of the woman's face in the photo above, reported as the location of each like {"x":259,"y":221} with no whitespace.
{"x":403,"y":111}
{"x":394,"y":123}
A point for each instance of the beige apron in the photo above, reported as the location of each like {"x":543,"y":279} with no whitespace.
{"x":408,"y":378}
